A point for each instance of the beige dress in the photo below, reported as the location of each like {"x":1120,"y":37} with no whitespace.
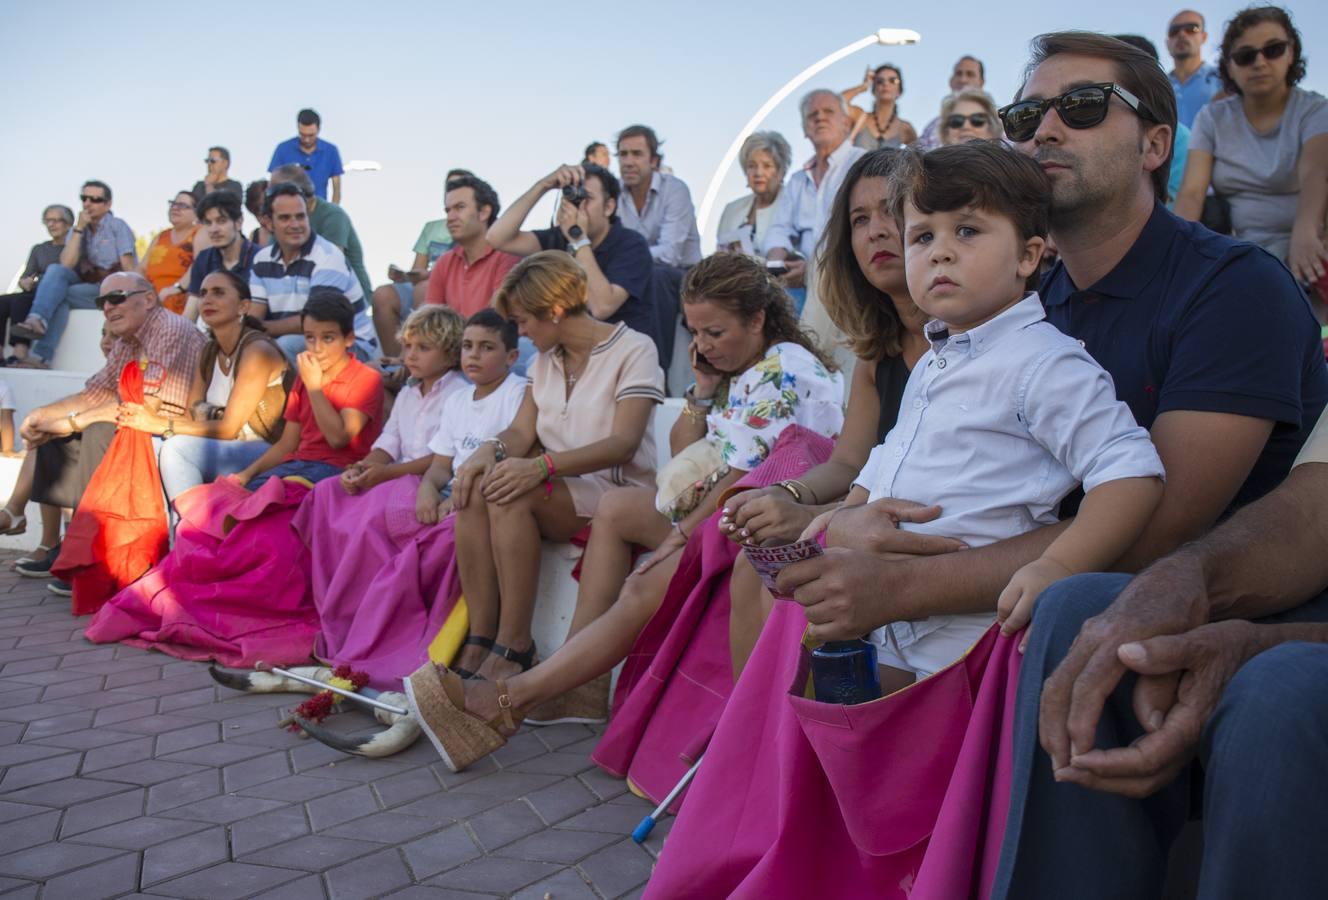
{"x":624,"y":365}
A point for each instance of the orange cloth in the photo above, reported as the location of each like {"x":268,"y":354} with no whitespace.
{"x":167,"y":263}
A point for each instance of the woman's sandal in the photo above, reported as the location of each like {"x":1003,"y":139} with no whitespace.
{"x":525,"y":659}
{"x":475,"y":640}
{"x":17,"y":523}
{"x":437,"y":699}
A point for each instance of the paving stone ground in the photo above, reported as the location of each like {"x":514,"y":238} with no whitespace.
{"x":127,"y":773}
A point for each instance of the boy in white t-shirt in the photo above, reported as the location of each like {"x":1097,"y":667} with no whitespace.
{"x":1005,"y":415}
{"x":471,"y":417}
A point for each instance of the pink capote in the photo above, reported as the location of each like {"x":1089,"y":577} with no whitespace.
{"x":234,"y":589}
{"x":679,"y":673}
{"x":904,"y":797}
{"x":383,"y":584}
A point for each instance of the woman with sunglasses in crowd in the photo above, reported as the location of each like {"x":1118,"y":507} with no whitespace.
{"x":171,"y":252}
{"x":882,"y":127}
{"x":969,"y":115}
{"x":1264,"y":148}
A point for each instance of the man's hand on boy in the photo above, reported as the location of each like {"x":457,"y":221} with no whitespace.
{"x":874,"y":527}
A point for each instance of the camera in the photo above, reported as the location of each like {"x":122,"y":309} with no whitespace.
{"x":575,"y":194}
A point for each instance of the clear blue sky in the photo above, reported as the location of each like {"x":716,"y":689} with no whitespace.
{"x":507,"y":89}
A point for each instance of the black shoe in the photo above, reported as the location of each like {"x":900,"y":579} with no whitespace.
{"x":39,"y":568}
{"x":56,"y":586}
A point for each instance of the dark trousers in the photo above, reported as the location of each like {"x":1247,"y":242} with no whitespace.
{"x":1260,"y":769}
{"x":13,"y":310}
{"x":65,"y":466}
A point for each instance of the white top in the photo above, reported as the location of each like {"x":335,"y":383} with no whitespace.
{"x":733,"y":227}
{"x":468,"y":422}
{"x":803,"y":207}
{"x":999,"y":424}
{"x":415,"y":417}
{"x":789,"y":386}
{"x":219,"y":394}
{"x":6,"y":396}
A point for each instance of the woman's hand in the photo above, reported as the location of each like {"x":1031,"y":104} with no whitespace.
{"x":511,"y":478}
{"x":761,"y":516}
{"x":139,"y":418}
{"x":706,"y":376}
{"x":671,"y":545}
{"x":1307,"y":254}
{"x":474,"y":472}
{"x":310,"y":372}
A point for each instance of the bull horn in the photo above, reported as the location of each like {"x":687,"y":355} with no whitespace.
{"x":393,"y":739}
{"x":254,"y":682}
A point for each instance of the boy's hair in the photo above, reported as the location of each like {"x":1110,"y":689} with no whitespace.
{"x":437,"y":324}
{"x":490,"y":319}
{"x":540,"y":283}
{"x":987,"y":175}
{"x":327,"y":304}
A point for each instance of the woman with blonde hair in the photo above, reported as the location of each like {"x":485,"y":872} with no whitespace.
{"x":969,"y":115}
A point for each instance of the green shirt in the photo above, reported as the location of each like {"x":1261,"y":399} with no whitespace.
{"x":434,"y":240}
{"x":330,"y":222}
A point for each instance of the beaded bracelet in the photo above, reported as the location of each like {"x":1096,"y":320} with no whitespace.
{"x":547,"y":462}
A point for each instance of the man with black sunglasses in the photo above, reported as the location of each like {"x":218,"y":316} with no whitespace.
{"x":218,"y":162}
{"x":98,"y":244}
{"x":1195,"y":81}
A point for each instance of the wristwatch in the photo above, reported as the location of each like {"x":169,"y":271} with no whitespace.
{"x":170,"y":430}
{"x":575,"y":246}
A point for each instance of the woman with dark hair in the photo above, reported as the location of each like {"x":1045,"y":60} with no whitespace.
{"x":881,"y":128}
{"x":237,"y":399}
{"x":14,"y":307}
{"x":1264,"y":149}
{"x":758,"y":377}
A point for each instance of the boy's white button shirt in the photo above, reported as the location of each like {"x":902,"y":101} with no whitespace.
{"x":415,"y":417}
{"x":996,"y":426}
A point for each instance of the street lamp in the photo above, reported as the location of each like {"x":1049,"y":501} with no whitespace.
{"x":889,"y":37}
{"x":363,"y":165}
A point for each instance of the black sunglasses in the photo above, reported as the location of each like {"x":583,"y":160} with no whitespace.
{"x":1246,"y":56}
{"x":88,"y":198}
{"x":1081,"y":107}
{"x":977,"y":120}
{"x":212,"y":159}
{"x":115,"y":298}
{"x":1187,"y":27}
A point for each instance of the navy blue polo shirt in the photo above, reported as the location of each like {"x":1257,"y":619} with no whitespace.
{"x":209,"y":261}
{"x":1193,"y":320}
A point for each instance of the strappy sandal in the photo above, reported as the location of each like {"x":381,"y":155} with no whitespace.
{"x":437,"y":699}
{"x":525,"y":659}
{"x":477,"y":641}
{"x":17,"y":523}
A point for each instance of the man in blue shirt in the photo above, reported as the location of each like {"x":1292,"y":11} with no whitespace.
{"x":321,"y":159}
{"x":1195,"y":81}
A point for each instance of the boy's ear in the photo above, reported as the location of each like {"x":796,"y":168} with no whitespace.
{"x":1031,"y":257}
{"x":512,"y":356}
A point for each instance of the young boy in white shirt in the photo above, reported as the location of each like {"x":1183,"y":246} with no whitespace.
{"x":1005,"y":415}
{"x":471,"y":417}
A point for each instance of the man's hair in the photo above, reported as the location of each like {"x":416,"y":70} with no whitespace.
{"x":982,"y":70}
{"x":1246,"y":19}
{"x":1143,"y":43}
{"x":438,"y":324}
{"x":327,"y":304}
{"x":285,"y":189}
{"x":811,"y":95}
{"x":456,"y":173}
{"x":540,"y":283}
{"x":641,"y":131}
{"x":224,"y":202}
{"x":607,"y":181}
{"x":1203,"y":23}
{"x":294,"y":173}
{"x":988,"y":175}
{"x":1136,"y":71}
{"x":771,"y":142}
{"x":65,"y":212}
{"x":99,"y":184}
{"x":491,"y":319}
{"x":592,"y":147}
{"x":254,"y":195}
{"x":485,"y":195}
{"x":225,"y":154}
{"x":308,"y":117}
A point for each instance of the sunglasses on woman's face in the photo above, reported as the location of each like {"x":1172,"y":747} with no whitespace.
{"x":1246,"y":56}
{"x":115,"y":298}
{"x":1081,"y":107}
{"x":977,"y":120}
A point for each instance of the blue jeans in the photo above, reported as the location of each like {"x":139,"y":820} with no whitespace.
{"x":186,"y":461}
{"x":301,"y":468}
{"x":59,"y":291}
{"x":1261,"y":759}
{"x":293,"y":345}
{"x":406,"y":294}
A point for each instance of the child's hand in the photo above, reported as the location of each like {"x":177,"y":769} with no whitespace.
{"x":818,"y":525}
{"x":1015,"y":606}
{"x":350,"y":478}
{"x":310,"y":372}
{"x":428,"y":505}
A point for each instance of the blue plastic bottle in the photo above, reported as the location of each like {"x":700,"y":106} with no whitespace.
{"x":844,"y":672}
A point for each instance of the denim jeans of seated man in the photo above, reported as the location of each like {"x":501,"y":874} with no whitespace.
{"x":59,"y":290}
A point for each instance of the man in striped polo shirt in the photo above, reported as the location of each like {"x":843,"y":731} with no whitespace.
{"x":299,"y":260}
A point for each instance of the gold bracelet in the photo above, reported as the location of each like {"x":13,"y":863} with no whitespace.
{"x":793,"y":491}
{"x":806,"y":490}
{"x":696,"y":415}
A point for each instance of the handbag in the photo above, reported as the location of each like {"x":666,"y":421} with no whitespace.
{"x":687,"y":478}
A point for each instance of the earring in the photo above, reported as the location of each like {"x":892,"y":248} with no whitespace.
{"x":556,"y":320}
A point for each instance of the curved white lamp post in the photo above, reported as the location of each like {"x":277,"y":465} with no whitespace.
{"x":885,"y":36}
{"x":363,"y":165}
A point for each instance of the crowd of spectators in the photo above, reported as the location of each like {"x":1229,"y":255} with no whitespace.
{"x":981,"y":364}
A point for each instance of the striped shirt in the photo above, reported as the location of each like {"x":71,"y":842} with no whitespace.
{"x":171,"y":345}
{"x":285,"y":287}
